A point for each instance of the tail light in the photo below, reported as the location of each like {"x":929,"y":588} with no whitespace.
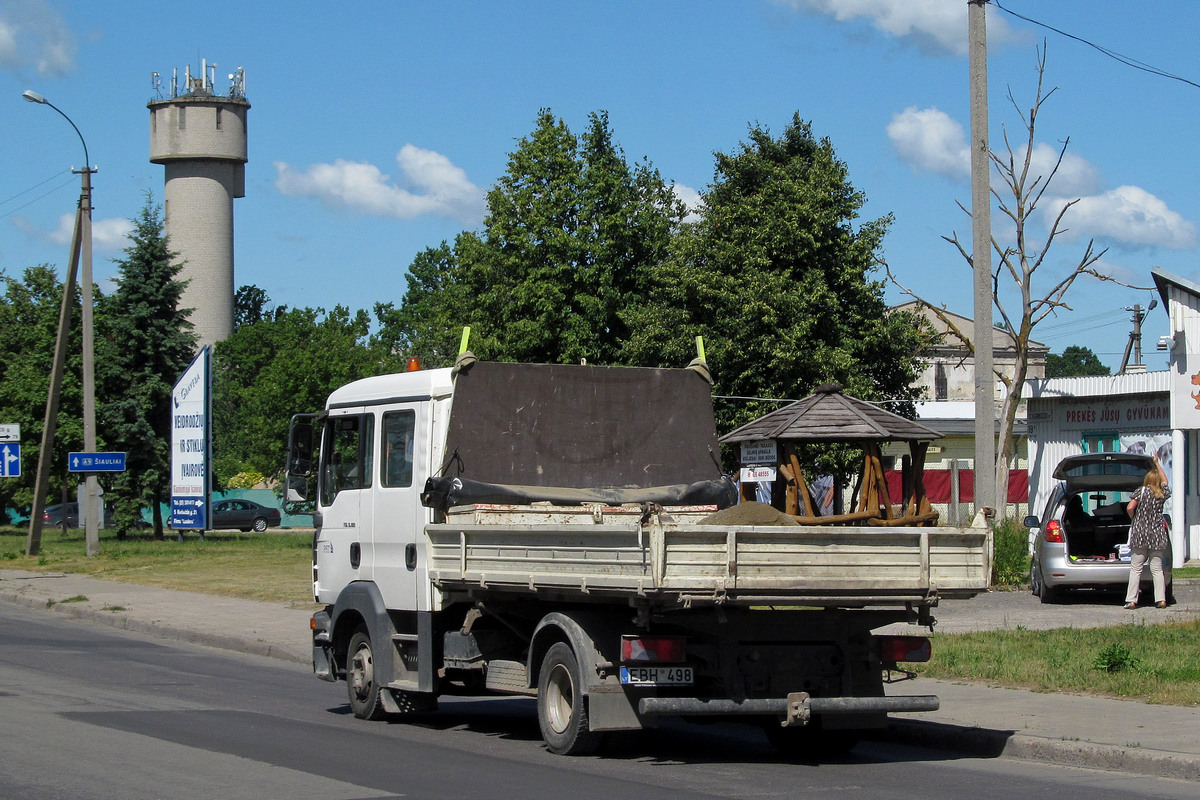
{"x":894,"y":649}
{"x":665,"y":649}
{"x":1054,"y":531}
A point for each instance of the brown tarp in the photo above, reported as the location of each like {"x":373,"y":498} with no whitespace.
{"x":599,"y":434}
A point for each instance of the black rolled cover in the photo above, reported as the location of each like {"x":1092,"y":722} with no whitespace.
{"x":574,"y":435}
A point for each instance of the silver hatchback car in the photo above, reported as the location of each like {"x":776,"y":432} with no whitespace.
{"x":1081,"y":540}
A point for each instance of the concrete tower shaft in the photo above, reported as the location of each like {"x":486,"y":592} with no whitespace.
{"x":200,"y":138}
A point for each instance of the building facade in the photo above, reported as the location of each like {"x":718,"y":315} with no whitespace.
{"x":947,"y":383}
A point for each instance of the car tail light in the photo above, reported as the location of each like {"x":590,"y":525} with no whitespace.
{"x":667,"y":649}
{"x":1054,"y":531}
{"x":893,"y":649}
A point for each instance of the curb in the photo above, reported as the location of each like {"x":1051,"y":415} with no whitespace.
{"x":988,"y":743}
{"x":116,"y":619}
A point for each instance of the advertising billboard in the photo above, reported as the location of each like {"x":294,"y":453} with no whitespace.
{"x":191,"y":444}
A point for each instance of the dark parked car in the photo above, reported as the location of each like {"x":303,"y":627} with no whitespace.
{"x":52,"y":517}
{"x":1081,"y":540}
{"x":244,"y":515}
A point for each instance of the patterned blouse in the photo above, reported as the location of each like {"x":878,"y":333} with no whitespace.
{"x":1148,"y":529}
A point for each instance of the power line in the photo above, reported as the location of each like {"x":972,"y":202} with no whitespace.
{"x":1126,"y":60}
{"x":69,"y":180}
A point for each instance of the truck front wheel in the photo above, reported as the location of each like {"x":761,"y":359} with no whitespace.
{"x":365,"y":701}
{"x":562,"y":710}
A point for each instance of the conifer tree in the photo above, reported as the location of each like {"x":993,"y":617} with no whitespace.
{"x":144,"y":341}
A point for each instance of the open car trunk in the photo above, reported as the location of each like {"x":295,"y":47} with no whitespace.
{"x":1100,"y":534}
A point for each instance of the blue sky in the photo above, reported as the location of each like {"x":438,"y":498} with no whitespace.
{"x":376,"y":127}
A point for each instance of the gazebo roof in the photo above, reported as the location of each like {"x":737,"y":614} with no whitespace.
{"x":830,"y":416}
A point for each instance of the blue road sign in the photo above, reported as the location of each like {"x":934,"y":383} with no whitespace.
{"x":96,"y":462}
{"x":189,"y":513}
{"x":10,"y":460}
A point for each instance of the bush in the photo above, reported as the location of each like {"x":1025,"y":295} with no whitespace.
{"x":245,"y":480}
{"x":1115,"y":658}
{"x":1010,"y":558}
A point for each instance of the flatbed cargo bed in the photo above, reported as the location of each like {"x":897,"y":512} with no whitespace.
{"x":670,"y":559}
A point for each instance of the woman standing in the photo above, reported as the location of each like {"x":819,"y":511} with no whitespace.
{"x":1148,"y":535}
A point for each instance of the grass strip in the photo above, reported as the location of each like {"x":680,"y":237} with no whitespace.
{"x":1150,"y":663}
{"x":273,"y":567}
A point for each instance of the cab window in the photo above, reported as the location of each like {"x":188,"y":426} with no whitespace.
{"x":398,"y":429}
{"x":346,"y":455}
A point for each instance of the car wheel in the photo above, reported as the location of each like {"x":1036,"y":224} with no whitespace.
{"x":562,"y":709}
{"x":260,"y":524}
{"x":1048,"y":594}
{"x":364,"y":691}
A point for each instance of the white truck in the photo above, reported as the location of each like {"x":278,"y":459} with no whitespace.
{"x":566,"y":533}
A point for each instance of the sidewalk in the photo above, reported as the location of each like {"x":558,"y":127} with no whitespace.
{"x":977,"y":720}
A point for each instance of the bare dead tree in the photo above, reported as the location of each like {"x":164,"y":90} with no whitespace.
{"x":1018,"y":196}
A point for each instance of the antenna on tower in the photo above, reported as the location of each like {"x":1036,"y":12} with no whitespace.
{"x":156,"y":83}
{"x":237,"y":83}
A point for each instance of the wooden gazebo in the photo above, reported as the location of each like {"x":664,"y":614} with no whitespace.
{"x":832,"y":417}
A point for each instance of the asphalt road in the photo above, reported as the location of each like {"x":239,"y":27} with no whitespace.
{"x":94,"y":713}
{"x":1078,"y":609}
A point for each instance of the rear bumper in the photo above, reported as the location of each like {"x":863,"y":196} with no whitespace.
{"x":1060,"y":571}
{"x":796,"y":709}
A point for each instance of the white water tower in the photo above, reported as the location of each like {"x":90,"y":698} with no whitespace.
{"x":200,"y":137}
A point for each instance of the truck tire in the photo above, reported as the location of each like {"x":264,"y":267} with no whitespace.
{"x":365,"y":701}
{"x":562,"y":710}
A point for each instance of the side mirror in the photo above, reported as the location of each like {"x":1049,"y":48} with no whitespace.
{"x":1032,"y":522}
{"x":299,"y":475}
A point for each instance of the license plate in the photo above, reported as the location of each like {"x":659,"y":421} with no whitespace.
{"x":657,"y":676}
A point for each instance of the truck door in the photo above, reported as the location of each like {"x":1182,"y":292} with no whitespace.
{"x":347,"y":458}
{"x":398,"y":538}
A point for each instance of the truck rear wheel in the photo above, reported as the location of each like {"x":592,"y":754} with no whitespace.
{"x":364,"y":691}
{"x":562,"y":709}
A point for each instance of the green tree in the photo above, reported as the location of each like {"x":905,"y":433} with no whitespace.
{"x":571,"y":233}
{"x":777,"y":277}
{"x":250,"y":305}
{"x":1075,"y":361}
{"x":28,"y":326}
{"x":285,"y":363}
{"x":144,"y":341}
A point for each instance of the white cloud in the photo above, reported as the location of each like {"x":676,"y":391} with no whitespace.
{"x":933,"y":25}
{"x":1076,"y":177}
{"x":441,"y":188}
{"x":690,"y":198}
{"x":930,"y":139}
{"x":1126,"y":215}
{"x":107,"y":234}
{"x":927,"y":138}
{"x":32,"y":35}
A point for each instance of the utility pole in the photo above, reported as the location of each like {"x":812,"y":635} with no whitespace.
{"x":1135,"y":338}
{"x":981,"y":262}
{"x":81,"y":250}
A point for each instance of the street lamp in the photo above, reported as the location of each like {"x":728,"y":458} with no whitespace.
{"x":81,"y":251}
